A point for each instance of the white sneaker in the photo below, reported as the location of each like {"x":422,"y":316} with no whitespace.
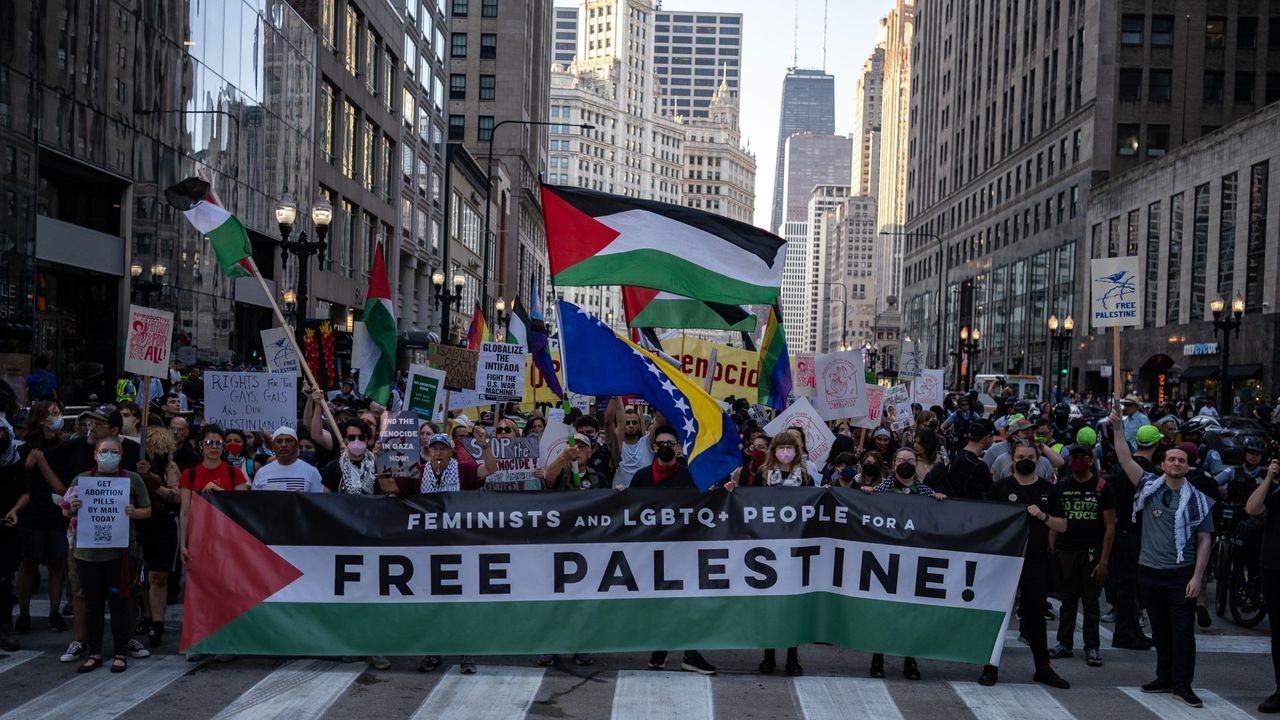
{"x":74,"y":652}
{"x":137,"y":650}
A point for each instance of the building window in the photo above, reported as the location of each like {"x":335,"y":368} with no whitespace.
{"x":459,"y":8}
{"x":1173,"y":264}
{"x":1243,"y":94}
{"x":1199,"y":249}
{"x":368,"y":155}
{"x":349,"y":130}
{"x":1127,"y":139}
{"x":458,"y":45}
{"x":1273,"y":87}
{"x":1153,"y":264}
{"x":457,"y":86}
{"x":1227,"y":236}
{"x":1247,"y":33}
{"x":484,"y":128}
{"x":1215,"y":32}
{"x":488,"y":87}
{"x":1160,"y":86}
{"x":489,"y":8}
{"x":1131,"y":30}
{"x":1213,"y":86}
{"x":1161,"y":30}
{"x":1130,"y":84}
{"x":328,"y":120}
{"x":1157,"y":140}
{"x":351,"y":40}
{"x":488,"y":46}
{"x":328,"y":23}
{"x":457,"y":127}
{"x":1255,"y":267}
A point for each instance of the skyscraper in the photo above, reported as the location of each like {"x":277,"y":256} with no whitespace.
{"x":810,"y":159}
{"x":891,"y":193}
{"x":692,"y":54}
{"x":867,"y":97}
{"x":566,"y":34}
{"x":808,"y":106}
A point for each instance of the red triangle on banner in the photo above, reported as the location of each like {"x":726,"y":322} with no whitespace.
{"x":572,"y":235}
{"x":231,"y":571}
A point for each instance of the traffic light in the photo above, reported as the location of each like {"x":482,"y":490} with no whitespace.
{"x":1063,"y":371}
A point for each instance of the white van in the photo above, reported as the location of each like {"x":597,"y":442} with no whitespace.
{"x":1025,"y":387}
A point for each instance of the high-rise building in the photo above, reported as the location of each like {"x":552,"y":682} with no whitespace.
{"x":812,"y":160}
{"x":794,"y":292}
{"x":891,"y":190}
{"x":566,"y":35}
{"x":868,"y":95}
{"x":1001,"y":171}
{"x":850,"y":290}
{"x":808,"y":106}
{"x":719,"y":174}
{"x":820,"y":257}
{"x":693,"y":53}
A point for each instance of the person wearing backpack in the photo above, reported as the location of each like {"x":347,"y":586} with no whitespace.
{"x":212,"y":474}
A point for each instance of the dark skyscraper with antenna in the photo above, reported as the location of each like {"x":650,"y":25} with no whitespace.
{"x":808,"y":106}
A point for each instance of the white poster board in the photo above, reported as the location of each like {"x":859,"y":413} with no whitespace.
{"x":930,"y":389}
{"x":250,"y":401}
{"x":803,"y":381}
{"x":553,"y":441}
{"x":500,"y":371}
{"x":801,"y":416}
{"x":1115,"y":298}
{"x":278,"y":351}
{"x":875,"y":406}
{"x":146,"y":350}
{"x":101,"y":522}
{"x":466,"y":399}
{"x":424,"y":393}
{"x":899,"y":398}
{"x":841,"y":385}
{"x":912,"y":354}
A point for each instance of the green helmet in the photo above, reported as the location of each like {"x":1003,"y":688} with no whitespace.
{"x":1086,"y":436}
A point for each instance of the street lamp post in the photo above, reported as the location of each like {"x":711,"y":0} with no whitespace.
{"x":445,"y":298}
{"x":302,"y":248}
{"x":942,"y":276}
{"x":1226,"y":323}
{"x":1060,"y":339}
{"x":968,"y":348}
{"x":488,"y":200}
{"x":154,"y":284}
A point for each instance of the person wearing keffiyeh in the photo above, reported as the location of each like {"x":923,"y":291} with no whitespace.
{"x":1175,"y":518}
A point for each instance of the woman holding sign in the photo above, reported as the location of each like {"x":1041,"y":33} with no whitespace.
{"x":102,"y":554}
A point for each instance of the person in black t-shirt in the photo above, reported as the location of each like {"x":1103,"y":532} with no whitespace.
{"x":14,"y":496}
{"x":1045,"y":509}
{"x":1128,"y":633}
{"x":1266,"y":499}
{"x":1083,"y":552}
{"x":967,"y":476}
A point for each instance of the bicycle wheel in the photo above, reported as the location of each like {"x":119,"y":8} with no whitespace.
{"x":1247,"y":607}
{"x":1222,"y":576}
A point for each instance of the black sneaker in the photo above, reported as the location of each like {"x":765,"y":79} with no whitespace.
{"x":1060,"y":651}
{"x":1187,"y":695}
{"x":658,"y":660}
{"x":694,"y":662}
{"x":429,"y":663}
{"x":56,"y":623}
{"x":990,"y":675}
{"x":793,"y":666}
{"x":1137,"y":644}
{"x":1158,"y":686}
{"x":155,"y":634}
{"x":8,"y":642}
{"x":582,"y":659}
{"x":1093,"y":658}
{"x":768,"y":663}
{"x":877,"y":665}
{"x":1047,"y":676}
{"x":467,"y":666}
{"x":1203,"y":617}
{"x":910,"y":669}
{"x":1271,"y":704}
{"x":23,"y":625}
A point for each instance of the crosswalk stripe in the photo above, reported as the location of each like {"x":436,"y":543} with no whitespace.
{"x":641,"y":695}
{"x":298,"y":689}
{"x":12,"y":660}
{"x":1167,"y":707}
{"x":492,"y":693}
{"x":836,"y":698}
{"x":1010,"y":702}
{"x":100,"y":695}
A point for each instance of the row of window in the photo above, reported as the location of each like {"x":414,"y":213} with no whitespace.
{"x":488,"y":45}
{"x":1160,"y":86}
{"x":458,"y":87}
{"x":488,"y":8}
{"x":1134,"y":31}
{"x":355,"y":143}
{"x":458,"y":128}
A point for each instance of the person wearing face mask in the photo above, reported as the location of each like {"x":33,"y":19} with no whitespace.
{"x":844,"y":471}
{"x":1047,"y":462}
{"x":354,"y":472}
{"x":871,"y":471}
{"x":212,"y":474}
{"x":239,"y":453}
{"x":42,"y":532}
{"x":757,"y":453}
{"x":1083,"y":553}
{"x":290,"y":472}
{"x":101,"y":569}
{"x":841,"y":446}
{"x":1044,"y":508}
{"x":130,"y":420}
{"x":967,"y":475}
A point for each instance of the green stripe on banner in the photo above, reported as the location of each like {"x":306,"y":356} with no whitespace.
{"x":527,"y":628}
{"x":664,"y":271}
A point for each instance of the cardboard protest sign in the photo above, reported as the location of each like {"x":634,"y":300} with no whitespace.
{"x":517,"y":457}
{"x":458,"y":364}
{"x":101,"y":522}
{"x":399,"y":445}
{"x":803,"y":384}
{"x":250,"y":401}
{"x":278,"y":351}
{"x":424,"y":393}
{"x":1115,"y":298}
{"x":146,"y":350}
{"x":841,"y":385}
{"x":500,"y":371}
{"x":899,"y":398}
{"x":733,"y":370}
{"x":553,"y":441}
{"x":875,"y":407}
{"x":930,"y":389}
{"x":911,"y":351}
{"x":535,"y":385}
{"x":801,"y":416}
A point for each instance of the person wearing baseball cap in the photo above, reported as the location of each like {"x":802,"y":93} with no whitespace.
{"x":967,"y":475}
{"x":1134,"y":418}
{"x":1148,"y":436}
{"x":560,"y":471}
{"x":287,"y":472}
{"x":1017,"y":427}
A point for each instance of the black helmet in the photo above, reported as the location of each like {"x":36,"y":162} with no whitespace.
{"x":1253,"y":443}
{"x":1197,"y":425}
{"x":1021,"y":406}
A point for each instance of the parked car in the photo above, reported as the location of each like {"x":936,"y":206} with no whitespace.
{"x":1227,"y":435}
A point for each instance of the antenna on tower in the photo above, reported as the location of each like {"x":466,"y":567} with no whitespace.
{"x":825,"y":4}
{"x":795,"y":35}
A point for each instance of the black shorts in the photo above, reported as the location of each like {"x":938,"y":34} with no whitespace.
{"x":159,"y":538}
{"x":43,"y":543}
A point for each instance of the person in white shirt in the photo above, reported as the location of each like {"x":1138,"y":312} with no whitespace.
{"x":287,"y":472}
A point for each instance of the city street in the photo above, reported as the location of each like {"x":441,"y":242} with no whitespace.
{"x":1233,"y":676}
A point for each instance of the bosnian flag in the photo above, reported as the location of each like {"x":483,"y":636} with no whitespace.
{"x":647,"y":308}
{"x":595,"y":238}
{"x":194,"y":198}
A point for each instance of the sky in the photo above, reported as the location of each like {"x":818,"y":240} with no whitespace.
{"x":767,"y":52}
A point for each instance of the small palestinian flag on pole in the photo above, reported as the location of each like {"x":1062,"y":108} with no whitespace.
{"x":231,"y":245}
{"x":374,"y":340}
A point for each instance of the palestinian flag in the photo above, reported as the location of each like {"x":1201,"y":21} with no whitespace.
{"x":657,"y":308}
{"x":479,"y":331}
{"x":775,"y":363}
{"x":518,"y":325}
{"x":194,"y":197}
{"x":374,"y":340}
{"x":595,"y":238}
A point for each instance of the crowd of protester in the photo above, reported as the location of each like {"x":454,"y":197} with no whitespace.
{"x":1120,"y":508}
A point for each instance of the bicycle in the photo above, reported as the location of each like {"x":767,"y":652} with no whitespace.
{"x":1237,"y":582}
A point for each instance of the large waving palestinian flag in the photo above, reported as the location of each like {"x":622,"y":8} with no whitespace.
{"x":647,"y":308}
{"x":595,"y":238}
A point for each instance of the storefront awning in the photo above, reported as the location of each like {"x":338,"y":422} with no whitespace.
{"x":1199,"y":373}
{"x":1243,"y":372}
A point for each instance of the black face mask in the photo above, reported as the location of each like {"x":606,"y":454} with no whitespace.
{"x":1025,"y":467}
{"x":666,"y":454}
{"x":870,"y":471}
{"x":5,"y":442}
{"x":848,"y":474}
{"x":906,"y":470}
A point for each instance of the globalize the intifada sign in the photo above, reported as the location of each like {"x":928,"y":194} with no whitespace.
{"x":598,"y":571}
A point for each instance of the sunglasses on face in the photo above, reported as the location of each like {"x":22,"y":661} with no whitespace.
{"x":213,"y":443}
{"x":504,"y":430}
{"x":665,"y":443}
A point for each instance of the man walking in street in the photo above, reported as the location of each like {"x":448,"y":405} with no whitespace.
{"x":1174,"y":550}
{"x":1083,"y":552}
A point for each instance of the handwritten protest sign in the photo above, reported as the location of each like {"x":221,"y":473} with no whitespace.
{"x":912,"y":352}
{"x":147,"y":348}
{"x":500,"y":371}
{"x":425,"y":394}
{"x":458,"y":364}
{"x":875,"y":406}
{"x":400,"y":445}
{"x":278,"y":351}
{"x":250,"y":401}
{"x":101,"y":522}
{"x":899,"y":398}
{"x":804,"y":384}
{"x":1116,"y":292}
{"x":930,"y":389}
{"x":801,"y":416}
{"x":841,"y":390}
{"x":517,"y":457}
{"x":553,"y":441}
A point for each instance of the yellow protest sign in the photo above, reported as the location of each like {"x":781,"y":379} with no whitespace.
{"x":737,"y":371}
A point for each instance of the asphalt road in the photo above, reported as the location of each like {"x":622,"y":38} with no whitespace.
{"x":1233,"y":675}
